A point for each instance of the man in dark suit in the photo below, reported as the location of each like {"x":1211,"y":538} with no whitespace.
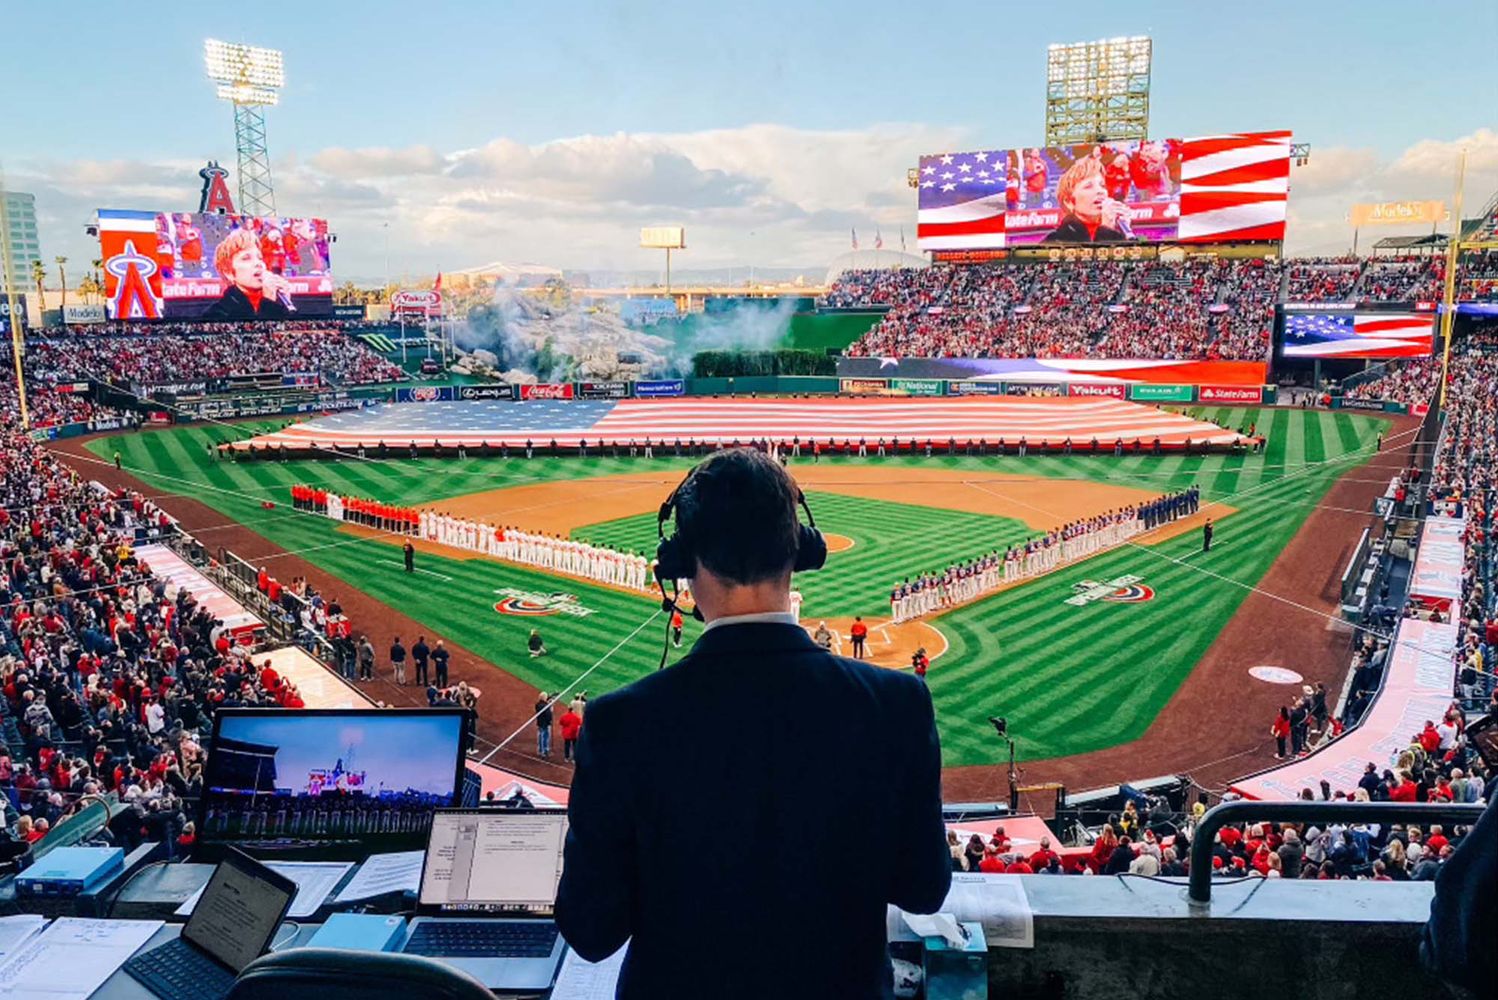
{"x":827,"y":816}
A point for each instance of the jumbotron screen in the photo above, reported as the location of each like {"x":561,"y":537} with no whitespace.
{"x":186,"y":265}
{"x":1212,"y":189}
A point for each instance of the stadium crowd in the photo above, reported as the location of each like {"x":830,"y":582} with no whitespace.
{"x":196,"y":354}
{"x":1411,"y":383}
{"x":1103,"y":309}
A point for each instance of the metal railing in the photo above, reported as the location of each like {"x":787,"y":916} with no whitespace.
{"x":1205,"y":835}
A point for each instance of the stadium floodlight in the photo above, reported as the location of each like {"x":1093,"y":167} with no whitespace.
{"x":1098,"y":91}
{"x":249,"y":77}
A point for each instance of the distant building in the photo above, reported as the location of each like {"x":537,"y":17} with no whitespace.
{"x":25,"y":246}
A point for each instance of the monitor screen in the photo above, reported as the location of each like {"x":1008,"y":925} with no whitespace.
{"x":239,"y":910}
{"x":372,"y":775}
{"x":493,"y":861}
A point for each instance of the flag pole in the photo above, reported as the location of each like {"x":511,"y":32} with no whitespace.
{"x":1448,"y":299}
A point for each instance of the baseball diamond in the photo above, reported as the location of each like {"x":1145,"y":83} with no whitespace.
{"x":1099,"y":673}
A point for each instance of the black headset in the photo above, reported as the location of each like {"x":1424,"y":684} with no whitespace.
{"x":676,"y":559}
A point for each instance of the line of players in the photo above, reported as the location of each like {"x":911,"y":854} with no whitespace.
{"x":962,"y":582}
{"x":592,"y":562}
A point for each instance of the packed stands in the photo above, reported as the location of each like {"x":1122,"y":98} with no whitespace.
{"x":1196,"y":309}
{"x":1411,"y":383}
{"x":1402,"y":279}
{"x":1478,"y":275}
{"x":177,"y":353}
{"x":1322,"y":279}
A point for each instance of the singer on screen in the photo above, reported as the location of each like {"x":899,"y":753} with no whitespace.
{"x":1089,"y":214}
{"x":255,"y":291}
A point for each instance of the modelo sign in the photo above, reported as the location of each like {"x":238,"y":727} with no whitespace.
{"x":82,"y":313}
{"x":546,"y":390}
{"x":423,"y":302}
{"x":1230,"y":394}
{"x":1109,"y":390}
{"x":863,"y":386}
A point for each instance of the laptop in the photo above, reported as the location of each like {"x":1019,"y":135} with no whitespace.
{"x":232,"y":925}
{"x":488,"y":892}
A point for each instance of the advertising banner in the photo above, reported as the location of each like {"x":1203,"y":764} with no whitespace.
{"x":603,"y":390}
{"x":1235,"y":394}
{"x":428,"y":302}
{"x":1397,"y":213}
{"x":962,"y":387}
{"x":1356,"y":403}
{"x":498,"y":390}
{"x":350,"y":313}
{"x":1110,"y":390}
{"x":546,"y":390}
{"x":425,"y":394}
{"x":82,"y":313}
{"x":661,"y":387}
{"x":1219,"y":188}
{"x":1035,"y":388}
{"x":916,"y":386}
{"x":1143,"y":392}
{"x":5,"y":312}
{"x":863,"y":386}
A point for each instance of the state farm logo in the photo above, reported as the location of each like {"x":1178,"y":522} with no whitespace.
{"x":1119,"y":590}
{"x":529,"y":604}
{"x":1230,"y":394}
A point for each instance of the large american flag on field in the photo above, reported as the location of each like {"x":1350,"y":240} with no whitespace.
{"x":1234,"y":186}
{"x":724,"y":421}
{"x":1359,"y":335}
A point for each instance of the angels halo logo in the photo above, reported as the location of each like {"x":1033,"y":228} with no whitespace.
{"x":529,"y":604}
{"x":1119,"y":590}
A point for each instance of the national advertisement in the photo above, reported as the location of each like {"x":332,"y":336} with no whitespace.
{"x":661,"y":387}
{"x":916,"y":386}
{"x":1147,"y":392}
{"x":1235,"y":394}
{"x":546,"y":390}
{"x":603,"y":390}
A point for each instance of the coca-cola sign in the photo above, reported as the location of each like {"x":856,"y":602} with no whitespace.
{"x":547,"y":390}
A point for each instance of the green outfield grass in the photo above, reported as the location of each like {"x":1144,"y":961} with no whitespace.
{"x":1069,"y":679}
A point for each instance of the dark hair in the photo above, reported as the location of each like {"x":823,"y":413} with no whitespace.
{"x":737,"y":510}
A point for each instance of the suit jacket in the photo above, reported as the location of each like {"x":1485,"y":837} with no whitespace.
{"x":743,"y":818}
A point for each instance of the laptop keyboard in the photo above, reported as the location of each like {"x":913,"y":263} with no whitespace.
{"x":482,"y":939}
{"x":175,"y":971}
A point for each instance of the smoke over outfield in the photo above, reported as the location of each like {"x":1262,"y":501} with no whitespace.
{"x":554,"y":337}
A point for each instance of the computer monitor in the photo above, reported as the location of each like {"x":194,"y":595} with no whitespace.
{"x":288,"y":778}
{"x":493,"y":861}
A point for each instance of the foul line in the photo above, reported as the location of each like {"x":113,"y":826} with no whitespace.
{"x":416,"y":569}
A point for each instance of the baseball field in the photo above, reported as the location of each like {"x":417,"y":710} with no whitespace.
{"x":1073,"y":678}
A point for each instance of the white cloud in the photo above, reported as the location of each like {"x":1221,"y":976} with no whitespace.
{"x":761,"y":193}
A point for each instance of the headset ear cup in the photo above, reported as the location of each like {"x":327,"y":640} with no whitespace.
{"x":812,"y":552}
{"x":673,"y":560}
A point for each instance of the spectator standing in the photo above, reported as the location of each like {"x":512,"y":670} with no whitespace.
{"x":543,"y":726}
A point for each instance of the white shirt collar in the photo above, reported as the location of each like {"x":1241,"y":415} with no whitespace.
{"x":758,"y":618}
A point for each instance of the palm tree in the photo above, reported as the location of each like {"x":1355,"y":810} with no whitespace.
{"x":39,"y":275}
{"x":62,"y":277}
{"x":98,"y":266}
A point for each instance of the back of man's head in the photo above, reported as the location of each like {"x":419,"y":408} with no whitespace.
{"x":737,"y":510}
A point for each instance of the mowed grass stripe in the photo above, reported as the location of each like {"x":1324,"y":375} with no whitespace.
{"x":1105,"y":670}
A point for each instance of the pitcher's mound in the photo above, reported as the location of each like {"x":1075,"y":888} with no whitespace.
{"x":837,"y":543}
{"x":889,"y":645}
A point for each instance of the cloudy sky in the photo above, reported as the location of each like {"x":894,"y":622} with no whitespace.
{"x":473,"y":132}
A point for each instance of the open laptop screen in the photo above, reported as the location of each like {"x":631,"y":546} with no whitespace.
{"x":493,"y":862}
{"x":239,"y":911}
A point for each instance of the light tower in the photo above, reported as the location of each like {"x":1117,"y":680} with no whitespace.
{"x":1097,"y":90}
{"x":248,"y":77}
